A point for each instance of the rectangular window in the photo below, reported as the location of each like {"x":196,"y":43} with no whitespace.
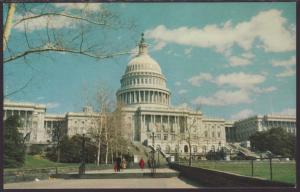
{"x":165,"y":137}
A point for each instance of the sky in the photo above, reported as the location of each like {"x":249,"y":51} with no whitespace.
{"x":234,"y":60}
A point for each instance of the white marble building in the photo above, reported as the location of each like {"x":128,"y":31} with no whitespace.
{"x":146,"y":100}
{"x":32,"y":118}
{"x":243,"y":129}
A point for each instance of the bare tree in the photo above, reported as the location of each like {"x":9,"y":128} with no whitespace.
{"x":58,"y":133}
{"x":190,"y":132}
{"x":118,"y":135}
{"x":73,"y":39}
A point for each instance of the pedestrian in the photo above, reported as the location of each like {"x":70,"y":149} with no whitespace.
{"x":118,"y":164}
{"x":123,"y":163}
{"x":115,"y":165}
{"x":142,"y":163}
{"x":149,"y":163}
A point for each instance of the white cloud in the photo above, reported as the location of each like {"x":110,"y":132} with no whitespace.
{"x":177,"y":83}
{"x":188,"y":51}
{"x":40,"y":23}
{"x":238,"y":61}
{"x":284,"y":63}
{"x":91,"y":7}
{"x":240,"y":80}
{"x":265,"y":90}
{"x":287,"y":73}
{"x":248,"y":55}
{"x":287,"y":111}
{"x":133,"y":52}
{"x":198,"y":79}
{"x":51,"y":105}
{"x":159,"y":45}
{"x":288,"y":66}
{"x":55,"y":21}
{"x":183,"y":106}
{"x":269,"y":27}
{"x":242,"y":114}
{"x":182,"y":91}
{"x":223,"y":98}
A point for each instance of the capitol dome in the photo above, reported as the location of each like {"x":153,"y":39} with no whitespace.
{"x":143,"y":62}
{"x":143,"y":81}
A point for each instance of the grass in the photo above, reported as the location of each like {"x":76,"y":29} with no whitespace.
{"x":37,"y":162}
{"x":282,"y":171}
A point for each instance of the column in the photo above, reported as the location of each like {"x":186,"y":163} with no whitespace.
{"x":129,"y":98}
{"x":139,"y":96}
{"x":152,"y":99}
{"x":26,"y":120}
{"x":134,"y":96}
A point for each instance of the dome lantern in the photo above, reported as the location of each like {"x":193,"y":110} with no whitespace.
{"x":143,"y":46}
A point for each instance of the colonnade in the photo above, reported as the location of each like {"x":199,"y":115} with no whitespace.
{"x":144,"y":96}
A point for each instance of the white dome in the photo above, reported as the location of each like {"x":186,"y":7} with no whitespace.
{"x":143,"y":62}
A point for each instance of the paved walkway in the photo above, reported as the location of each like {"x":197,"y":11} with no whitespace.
{"x":172,"y":182}
{"x":124,"y":171}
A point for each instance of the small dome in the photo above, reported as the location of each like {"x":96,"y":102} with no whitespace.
{"x":143,"y":62}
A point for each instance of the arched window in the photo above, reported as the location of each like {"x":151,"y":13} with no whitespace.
{"x":186,"y":149}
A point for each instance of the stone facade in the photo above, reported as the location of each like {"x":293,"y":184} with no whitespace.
{"x":243,"y":129}
{"x":152,"y":119}
{"x":32,"y":119}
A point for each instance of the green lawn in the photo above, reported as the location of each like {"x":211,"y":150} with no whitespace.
{"x":282,"y":171}
{"x":37,"y":162}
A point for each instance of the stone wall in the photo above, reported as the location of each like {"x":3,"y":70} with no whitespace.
{"x":211,"y":178}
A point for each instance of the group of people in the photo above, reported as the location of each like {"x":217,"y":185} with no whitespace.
{"x":121,"y":163}
{"x":118,"y":164}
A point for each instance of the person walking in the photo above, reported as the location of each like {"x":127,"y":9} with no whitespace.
{"x":118,"y":164}
{"x":123,"y":163}
{"x":142,"y":163}
{"x":115,"y":165}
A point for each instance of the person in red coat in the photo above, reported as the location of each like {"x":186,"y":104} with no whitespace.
{"x":142,"y":163}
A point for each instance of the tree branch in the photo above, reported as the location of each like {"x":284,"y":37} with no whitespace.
{"x":60,"y":14}
{"x":8,"y":24}
{"x":57,"y":49}
{"x":19,"y":89}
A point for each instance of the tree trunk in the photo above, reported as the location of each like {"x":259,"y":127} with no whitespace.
{"x":190,"y":158}
{"x":106,"y":155}
{"x":98,"y":152}
{"x":112,"y":155}
{"x":8,"y":24}
{"x":58,"y":154}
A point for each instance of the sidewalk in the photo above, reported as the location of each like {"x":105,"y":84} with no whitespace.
{"x":123,"y":174}
{"x":173,"y":182}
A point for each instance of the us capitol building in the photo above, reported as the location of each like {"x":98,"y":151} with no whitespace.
{"x":149,"y":117}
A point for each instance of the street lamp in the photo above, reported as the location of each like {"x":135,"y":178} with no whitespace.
{"x":158,"y":149}
{"x":82,"y":165}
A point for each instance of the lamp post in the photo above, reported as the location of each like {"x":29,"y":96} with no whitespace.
{"x":158,"y":149}
{"x":82,"y":165}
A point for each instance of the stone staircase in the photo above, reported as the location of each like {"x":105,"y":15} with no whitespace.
{"x":236,"y":148}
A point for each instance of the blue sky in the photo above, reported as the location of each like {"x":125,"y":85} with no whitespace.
{"x":232,"y":59}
